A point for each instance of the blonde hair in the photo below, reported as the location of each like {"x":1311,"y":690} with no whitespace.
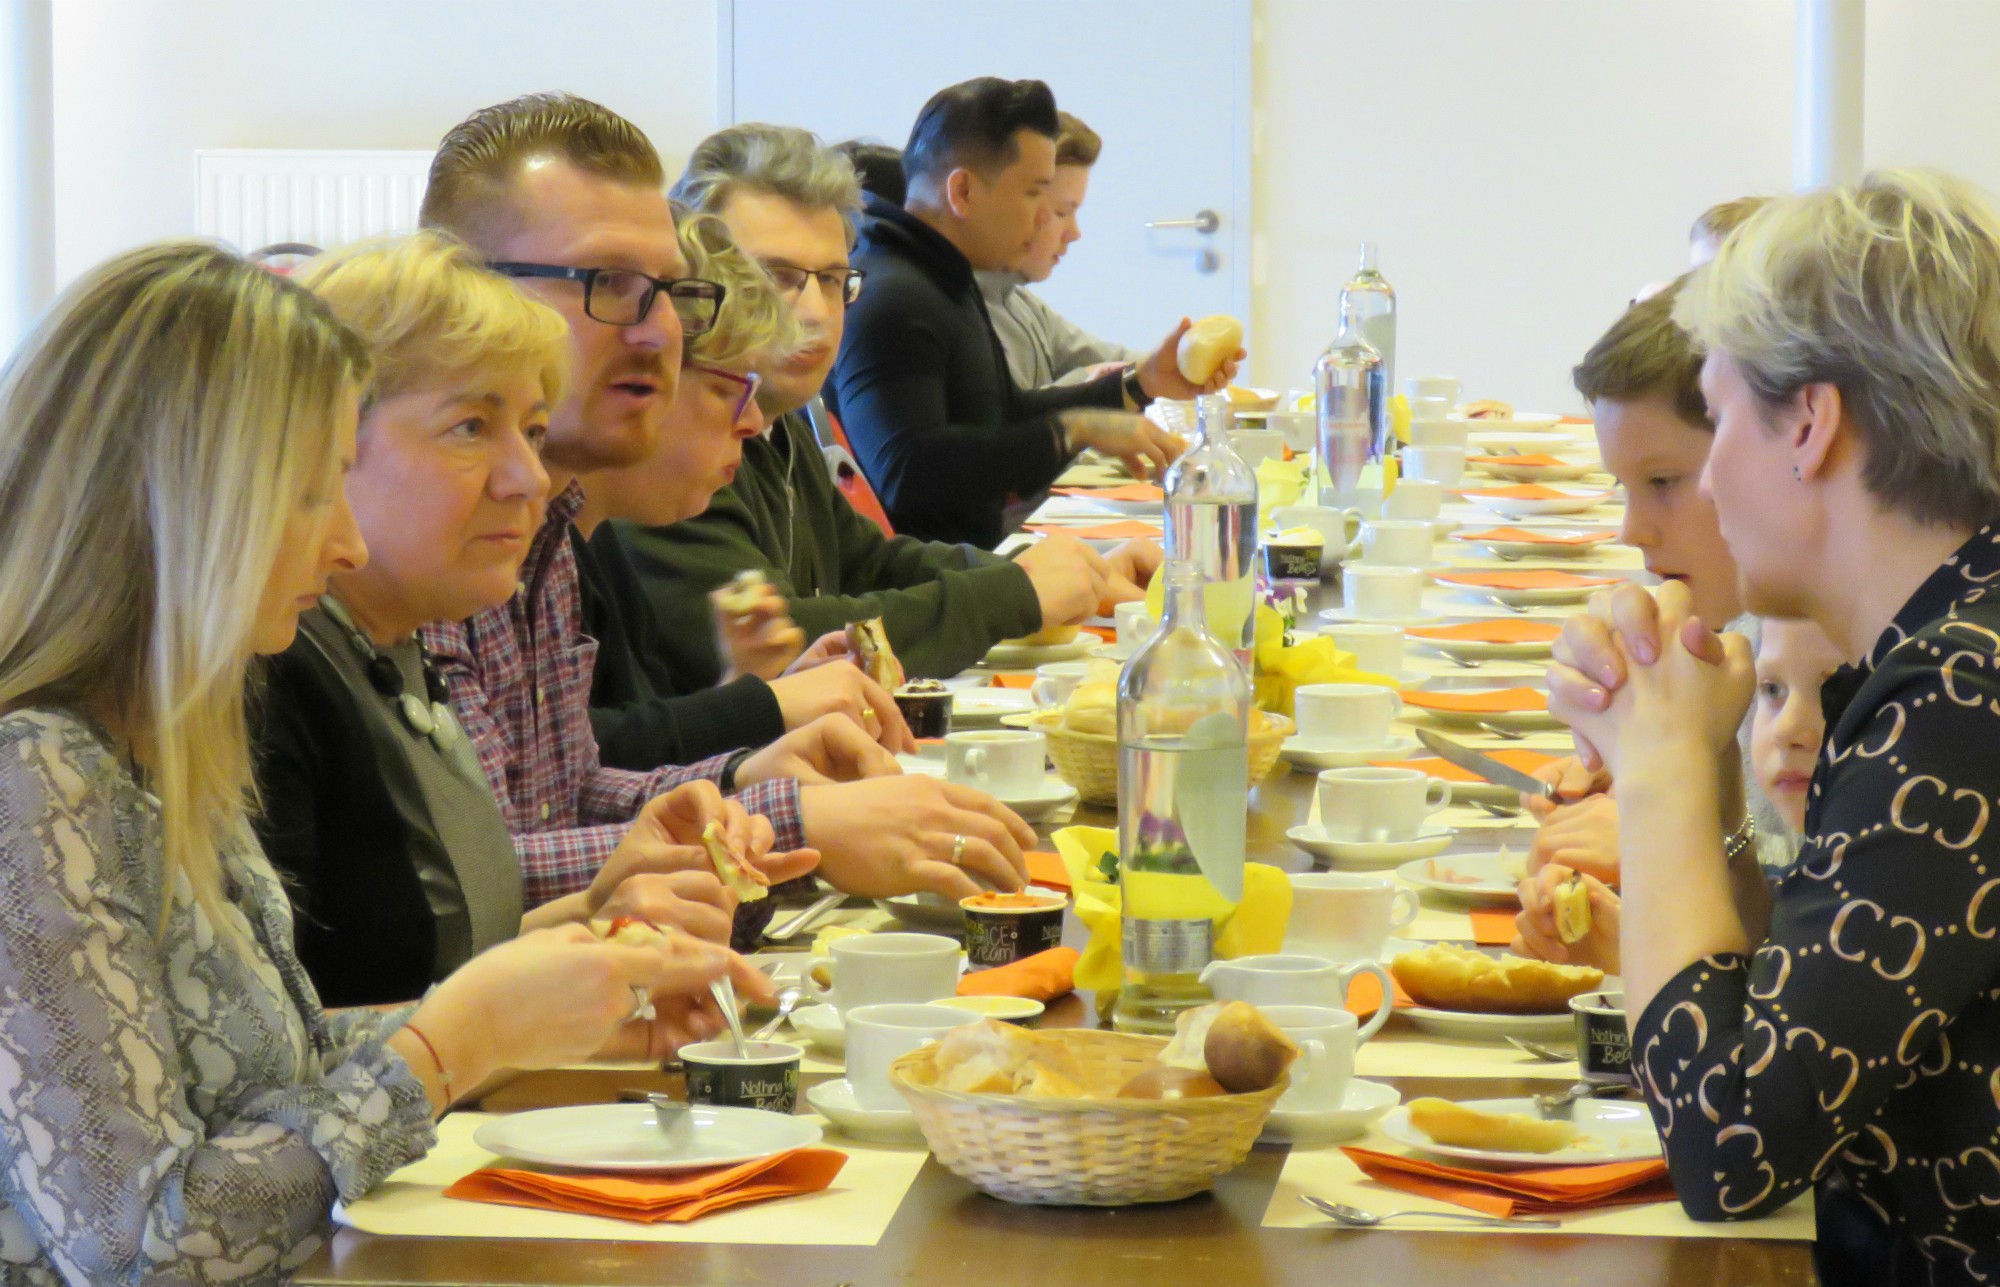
{"x":755,"y":318}
{"x":472,"y":176}
{"x":1725,"y":217}
{"x":1890,"y":291}
{"x":428,"y":308}
{"x":157,"y":430}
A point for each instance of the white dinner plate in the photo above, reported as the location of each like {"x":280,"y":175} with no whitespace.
{"x":1569,"y":469}
{"x":1513,"y":721}
{"x":1574,"y":500}
{"x":627,"y":1137}
{"x":1492,"y":437}
{"x":1308,"y":756}
{"x":1022,"y":656}
{"x":1475,"y":650}
{"x":1368,"y":854}
{"x":1511,"y":550}
{"x":1425,"y":617}
{"x":925,"y":911}
{"x":1475,"y":1026}
{"x":1544,"y":596}
{"x":1363,"y":1104}
{"x":1493,"y":876}
{"x":834,"y":1100}
{"x":983,"y":707}
{"x":1612,"y":1131}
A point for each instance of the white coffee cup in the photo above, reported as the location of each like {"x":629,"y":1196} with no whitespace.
{"x":1379,"y":592}
{"x":1257,"y":445}
{"x":1414,"y":498}
{"x":1432,"y":386}
{"x":1326,"y":1038}
{"x":1428,"y":408}
{"x":1345,"y":915}
{"x":1348,"y":715}
{"x":1135,"y":623}
{"x":1396,"y":542}
{"x":879,"y":969}
{"x":1296,"y":980}
{"x":1004,"y":762}
{"x":1377,"y":647}
{"x":1371,"y":806}
{"x":879,"y":1035}
{"x":1331,"y":522}
{"x":1055,"y":681}
{"x":1365,"y":501}
{"x":1438,"y":431}
{"x":1440,"y":464}
{"x":1300,"y":429}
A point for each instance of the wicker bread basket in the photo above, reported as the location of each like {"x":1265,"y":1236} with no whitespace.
{"x":1084,"y":1152}
{"x":1089,"y":761}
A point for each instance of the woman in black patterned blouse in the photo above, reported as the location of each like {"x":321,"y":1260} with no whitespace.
{"x":1842,"y":1031}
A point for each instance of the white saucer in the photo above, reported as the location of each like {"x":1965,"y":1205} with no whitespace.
{"x":834,"y":1100}
{"x":1477,"y":650}
{"x":1055,"y":794}
{"x":1368,"y":853}
{"x":1546,"y":596}
{"x":822,"y":1027}
{"x":1513,"y":721}
{"x":1573,"y":500}
{"x":626,"y":1137}
{"x":1612,"y":1131}
{"x":1565,"y":472}
{"x":1426,"y":617}
{"x":1020,"y":656}
{"x":1312,"y":757}
{"x":1494,"y":887}
{"x":1471,"y":1026}
{"x":925,"y":911}
{"x":983,"y":707}
{"x":1364,"y":1102}
{"x":1118,"y":652}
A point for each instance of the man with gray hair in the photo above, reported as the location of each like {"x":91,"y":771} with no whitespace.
{"x":790,"y":202}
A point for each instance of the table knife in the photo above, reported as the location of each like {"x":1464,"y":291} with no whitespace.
{"x":1485,"y":766}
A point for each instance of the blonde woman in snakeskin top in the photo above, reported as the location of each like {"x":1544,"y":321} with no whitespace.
{"x":1837,"y":1032}
{"x":175,"y":1106}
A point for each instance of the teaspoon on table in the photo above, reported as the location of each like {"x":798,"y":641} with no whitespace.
{"x":724,"y":993}
{"x":788,"y":1000}
{"x":1356,"y":1218}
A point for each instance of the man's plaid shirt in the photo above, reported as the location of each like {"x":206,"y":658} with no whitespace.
{"x":520,"y":683}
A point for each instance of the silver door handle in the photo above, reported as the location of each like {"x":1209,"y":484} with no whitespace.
{"x":1204,"y":221}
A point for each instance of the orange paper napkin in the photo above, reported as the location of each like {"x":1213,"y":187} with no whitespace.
{"x":652,"y":1199}
{"x":1492,"y":927}
{"x":1532,"y":491}
{"x":1537,"y":460}
{"x":1513,"y":758}
{"x":1528,"y":536}
{"x":1123,"y":492}
{"x":1123,"y":530}
{"x":1047,"y":870}
{"x":1041,"y":977}
{"x":1109,"y":634}
{"x":1013,"y":680}
{"x":1492,"y":701}
{"x":1502,"y":631}
{"x":1545,"y":1190}
{"x":1364,"y":996}
{"x":1530,"y":579}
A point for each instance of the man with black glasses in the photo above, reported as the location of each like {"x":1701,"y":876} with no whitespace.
{"x":790,"y":201}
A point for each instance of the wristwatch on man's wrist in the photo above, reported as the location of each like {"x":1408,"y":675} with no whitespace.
{"x":1134,"y":392}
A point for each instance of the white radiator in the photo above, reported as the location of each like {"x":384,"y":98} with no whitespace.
{"x":256,"y":197}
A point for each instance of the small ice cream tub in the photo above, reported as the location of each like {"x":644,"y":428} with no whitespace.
{"x":1294,"y":554}
{"x":926,"y":707}
{"x":1000,"y":929}
{"x":1603,"y":1045}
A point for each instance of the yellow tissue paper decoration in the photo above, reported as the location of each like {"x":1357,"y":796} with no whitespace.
{"x":1251,"y":928}
{"x":1310,"y":660}
{"x":1280,"y":483}
{"x":1399,"y":417}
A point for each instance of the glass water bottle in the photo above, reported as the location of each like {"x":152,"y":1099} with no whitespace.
{"x":1372,"y":300}
{"x":1183,"y":797}
{"x":1352,"y":387}
{"x":1211,"y":507}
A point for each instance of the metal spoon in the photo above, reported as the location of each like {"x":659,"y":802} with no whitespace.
{"x":1498,"y":811}
{"x":1505,"y":734}
{"x":1557,"y":1103}
{"x":1547,"y":1054}
{"x":1356,"y":1218}
{"x":1464,"y":663}
{"x":724,"y":993}
{"x":788,"y":1001}
{"x":791,"y":928}
{"x":675,"y":1119}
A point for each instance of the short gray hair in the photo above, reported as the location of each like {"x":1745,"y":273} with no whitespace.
{"x":1890,"y":291}
{"x":781,"y":160}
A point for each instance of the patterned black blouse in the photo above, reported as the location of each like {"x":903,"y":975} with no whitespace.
{"x":1861,"y":1039}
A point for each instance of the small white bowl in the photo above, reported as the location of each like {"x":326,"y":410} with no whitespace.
{"x":1012,"y":1009}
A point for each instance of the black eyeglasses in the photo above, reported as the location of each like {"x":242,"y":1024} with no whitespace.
{"x":624,"y":297}
{"x":841,"y":283}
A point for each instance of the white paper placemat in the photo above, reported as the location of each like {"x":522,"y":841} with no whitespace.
{"x":853,"y":1212}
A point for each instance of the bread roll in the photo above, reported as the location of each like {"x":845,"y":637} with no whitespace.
{"x":983,"y":1058}
{"x":1487,"y":409}
{"x":733,"y":867}
{"x":1092,"y":708}
{"x":1162,"y":1082}
{"x":1206,"y":345}
{"x":1457,"y":1126}
{"x":1572,"y":904}
{"x":868,"y":641}
{"x":1232,"y":1042}
{"x":1456,"y":978}
{"x":1242,"y":399}
{"x":1050,"y":1074}
{"x":1053,"y":637}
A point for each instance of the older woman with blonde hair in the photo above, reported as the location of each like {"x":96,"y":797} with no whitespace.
{"x":180,"y":1107}
{"x":1842,"y":1031}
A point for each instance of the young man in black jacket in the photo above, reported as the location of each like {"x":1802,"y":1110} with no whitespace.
{"x":921,"y":383}
{"x":789,"y":202}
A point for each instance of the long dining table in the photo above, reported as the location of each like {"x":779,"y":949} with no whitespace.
{"x":943,"y":1231}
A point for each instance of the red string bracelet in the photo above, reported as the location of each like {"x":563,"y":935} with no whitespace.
{"x":444,"y":1073}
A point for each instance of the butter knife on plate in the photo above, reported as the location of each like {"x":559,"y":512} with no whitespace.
{"x":1485,"y":766}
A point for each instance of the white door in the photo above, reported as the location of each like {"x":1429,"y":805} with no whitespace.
{"x":1165,"y":82}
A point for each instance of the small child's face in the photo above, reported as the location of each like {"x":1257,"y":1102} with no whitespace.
{"x":1786,"y":727}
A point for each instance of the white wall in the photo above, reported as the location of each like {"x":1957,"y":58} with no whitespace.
{"x":1523,"y":168}
{"x":140,"y":84}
